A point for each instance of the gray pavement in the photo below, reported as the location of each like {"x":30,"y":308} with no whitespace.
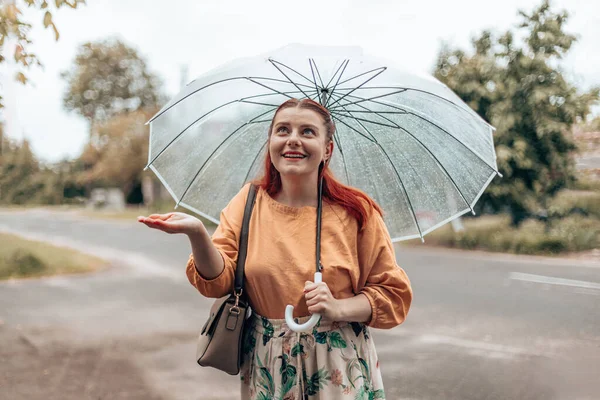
{"x":481,"y":327}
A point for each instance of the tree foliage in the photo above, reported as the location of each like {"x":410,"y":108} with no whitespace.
{"x":119,"y":152}
{"x":12,"y":25}
{"x":517,"y":85}
{"x":22,"y":179}
{"x":108,"y":78}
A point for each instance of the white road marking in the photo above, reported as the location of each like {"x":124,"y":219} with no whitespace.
{"x":476,"y":347}
{"x":519,"y":276}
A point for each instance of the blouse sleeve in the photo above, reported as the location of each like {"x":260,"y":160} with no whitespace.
{"x":383,"y":282}
{"x":226,"y":239}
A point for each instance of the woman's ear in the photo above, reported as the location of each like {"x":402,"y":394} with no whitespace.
{"x":328,"y":151}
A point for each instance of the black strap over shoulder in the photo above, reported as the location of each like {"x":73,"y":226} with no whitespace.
{"x":243,"y":249}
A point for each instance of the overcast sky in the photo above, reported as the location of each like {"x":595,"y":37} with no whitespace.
{"x":204,"y":34}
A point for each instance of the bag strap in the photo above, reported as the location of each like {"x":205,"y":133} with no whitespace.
{"x":243,"y":249}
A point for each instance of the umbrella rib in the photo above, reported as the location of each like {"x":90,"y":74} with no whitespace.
{"x":313,"y":74}
{"x":432,"y":155}
{"x":336,"y":71}
{"x":380,"y":69}
{"x":362,"y":99}
{"x":198,"y":119}
{"x":265,"y":104}
{"x":370,"y":134}
{"x":339,"y":144}
{"x":366,"y":120}
{"x":359,"y":86}
{"x":428,"y":121}
{"x":290,"y":68}
{"x":354,"y":129}
{"x":399,"y":180}
{"x":345,"y":63}
{"x":253,"y":161}
{"x":213,"y":153}
{"x":281,"y":81}
{"x":211,"y":84}
{"x":273,"y":63}
{"x":270,"y":88}
{"x":422,"y":91}
{"x":318,"y":73}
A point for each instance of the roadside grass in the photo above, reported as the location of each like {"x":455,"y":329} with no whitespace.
{"x":23,"y":258}
{"x":494,"y":233}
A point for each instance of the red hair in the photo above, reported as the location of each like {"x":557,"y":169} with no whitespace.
{"x":356,"y":202}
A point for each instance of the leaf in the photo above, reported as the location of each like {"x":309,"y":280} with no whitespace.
{"x":297,"y":349}
{"x":360,"y":393}
{"x":316,"y":382}
{"x":379,"y":394}
{"x":286,"y":387}
{"x":21,"y":78}
{"x":321,"y":337}
{"x":18,"y":52}
{"x":266,"y":381}
{"x":263,"y":396}
{"x":59,"y":3}
{"x":288,"y":375}
{"x":337,"y":341}
{"x":269,"y":331}
{"x":47,"y":19}
{"x":365,"y":368}
{"x":356,"y":327}
{"x":56,"y":34}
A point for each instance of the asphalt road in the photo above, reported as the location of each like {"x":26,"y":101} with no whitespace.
{"x":482,"y":326}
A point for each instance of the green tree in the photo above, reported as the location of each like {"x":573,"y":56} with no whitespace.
{"x":23,"y":179}
{"x":108,"y":78}
{"x":518,"y":87}
{"x":119,"y":154}
{"x":13,"y":26}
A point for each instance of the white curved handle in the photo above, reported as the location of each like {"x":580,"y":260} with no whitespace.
{"x":308,"y":325}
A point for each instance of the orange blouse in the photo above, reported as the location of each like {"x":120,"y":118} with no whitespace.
{"x":281,"y":258}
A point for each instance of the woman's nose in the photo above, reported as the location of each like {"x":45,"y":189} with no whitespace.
{"x":293,"y":138}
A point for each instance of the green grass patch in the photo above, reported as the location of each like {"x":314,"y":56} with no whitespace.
{"x":22,"y":258}
{"x":494,"y":233}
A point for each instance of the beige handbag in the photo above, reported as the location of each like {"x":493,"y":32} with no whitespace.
{"x":220,"y":342}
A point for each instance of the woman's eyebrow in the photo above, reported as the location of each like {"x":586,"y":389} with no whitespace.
{"x":309,"y":126}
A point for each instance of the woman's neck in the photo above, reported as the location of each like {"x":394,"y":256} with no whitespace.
{"x":300,"y":192}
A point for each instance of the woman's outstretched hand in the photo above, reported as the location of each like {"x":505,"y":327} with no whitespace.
{"x":175,"y":222}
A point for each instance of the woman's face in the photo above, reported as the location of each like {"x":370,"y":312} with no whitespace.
{"x":298,"y":142}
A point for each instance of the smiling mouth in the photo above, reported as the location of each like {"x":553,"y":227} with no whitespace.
{"x":294,"y":156}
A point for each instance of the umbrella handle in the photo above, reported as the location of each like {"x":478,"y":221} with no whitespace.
{"x":308,"y":325}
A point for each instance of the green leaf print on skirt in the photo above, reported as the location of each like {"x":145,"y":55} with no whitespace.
{"x":334,"y":362}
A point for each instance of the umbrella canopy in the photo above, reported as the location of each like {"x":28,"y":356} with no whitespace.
{"x":403,"y":138}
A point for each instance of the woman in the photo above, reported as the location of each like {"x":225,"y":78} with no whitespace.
{"x":362,"y":284}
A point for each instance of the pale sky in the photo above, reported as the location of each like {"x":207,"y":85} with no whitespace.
{"x":204,"y":34}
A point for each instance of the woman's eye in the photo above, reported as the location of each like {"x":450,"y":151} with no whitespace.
{"x":282,"y":129}
{"x":308,"y":131}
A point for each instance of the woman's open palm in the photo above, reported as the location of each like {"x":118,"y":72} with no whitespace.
{"x":175,"y":222}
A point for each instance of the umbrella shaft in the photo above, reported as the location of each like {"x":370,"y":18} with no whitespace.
{"x":323,"y":98}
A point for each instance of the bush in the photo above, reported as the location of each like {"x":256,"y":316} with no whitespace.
{"x":494,"y":233}
{"x":569,"y":202}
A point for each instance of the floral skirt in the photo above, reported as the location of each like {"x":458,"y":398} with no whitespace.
{"x":336,"y":361}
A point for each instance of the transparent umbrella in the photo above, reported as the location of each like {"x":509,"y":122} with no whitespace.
{"x":403,"y":138}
